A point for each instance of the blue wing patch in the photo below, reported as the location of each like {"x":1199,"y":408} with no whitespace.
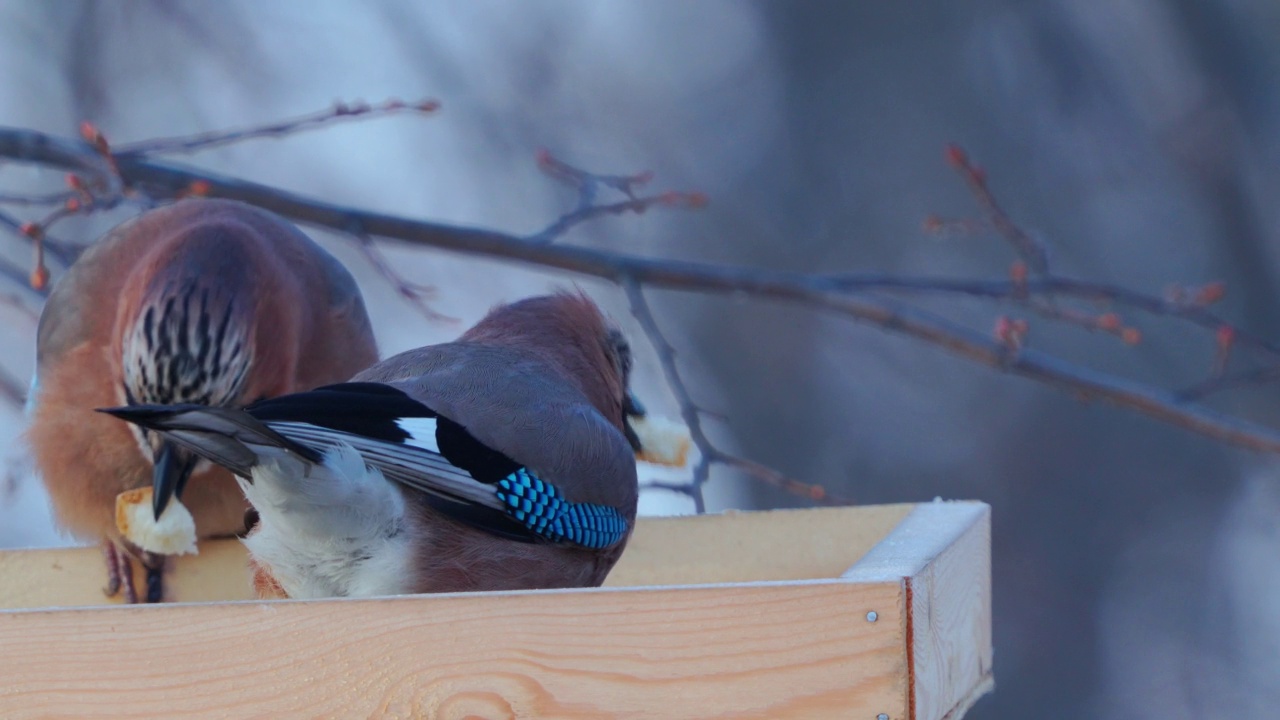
{"x":545,"y":512}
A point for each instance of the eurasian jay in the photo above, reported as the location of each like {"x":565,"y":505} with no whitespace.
{"x":211,"y":302}
{"x":498,"y":461}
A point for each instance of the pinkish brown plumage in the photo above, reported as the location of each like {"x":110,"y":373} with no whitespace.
{"x":205,"y":301}
{"x":563,"y":336}
{"x":429,"y":472}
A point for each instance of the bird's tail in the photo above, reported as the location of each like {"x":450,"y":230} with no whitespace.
{"x":229,"y":437}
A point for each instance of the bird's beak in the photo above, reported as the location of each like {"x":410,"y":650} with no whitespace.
{"x":631,"y":407}
{"x":173,"y":467}
{"x":191,"y":432}
{"x":173,"y":464}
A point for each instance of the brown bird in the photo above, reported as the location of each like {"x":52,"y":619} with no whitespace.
{"x":499,"y":461}
{"x":203,"y":301}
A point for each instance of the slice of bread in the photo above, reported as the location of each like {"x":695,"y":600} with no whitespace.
{"x":662,"y":441}
{"x":173,"y":534}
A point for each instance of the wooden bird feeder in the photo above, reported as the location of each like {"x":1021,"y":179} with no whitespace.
{"x":858,"y":613}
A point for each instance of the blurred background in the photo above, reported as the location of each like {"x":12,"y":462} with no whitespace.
{"x":1136,"y":566}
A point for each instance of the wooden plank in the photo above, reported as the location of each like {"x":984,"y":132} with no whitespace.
{"x":759,"y":650}
{"x":736,"y":546}
{"x":942,"y":554}
{"x":74,"y":577}
{"x":728,"y":547}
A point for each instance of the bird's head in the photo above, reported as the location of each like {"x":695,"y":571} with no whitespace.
{"x":184,"y":335}
{"x":570,"y":330}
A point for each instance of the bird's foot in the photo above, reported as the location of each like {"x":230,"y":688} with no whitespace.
{"x":155,"y":577}
{"x":119,"y":573}
{"x":113,"y":570}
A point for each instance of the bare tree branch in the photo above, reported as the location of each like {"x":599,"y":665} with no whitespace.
{"x":688,"y":409}
{"x":416,"y":294}
{"x":62,"y":251}
{"x":1031,"y":249}
{"x":1082,"y":382}
{"x":690,"y":412}
{"x":113,"y":177}
{"x":208,"y":140}
{"x":637,"y":205}
{"x":74,"y":155}
{"x":1190,"y":310}
{"x":589,"y":185}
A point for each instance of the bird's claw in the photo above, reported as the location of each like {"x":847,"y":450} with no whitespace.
{"x":119,"y":573}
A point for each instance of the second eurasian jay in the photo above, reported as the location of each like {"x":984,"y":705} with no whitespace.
{"x":499,"y":461}
{"x":202,"y":301}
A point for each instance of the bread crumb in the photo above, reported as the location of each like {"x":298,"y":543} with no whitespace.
{"x":173,"y":534}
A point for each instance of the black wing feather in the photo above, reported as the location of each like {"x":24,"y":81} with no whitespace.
{"x":463,"y":449}
{"x":370,"y":410}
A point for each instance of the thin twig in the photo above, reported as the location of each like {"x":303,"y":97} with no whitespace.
{"x":416,"y":294}
{"x":590,"y":212}
{"x":61,"y":250}
{"x":690,"y":412}
{"x":588,"y":185}
{"x":1031,"y":249}
{"x":70,"y":154}
{"x":1084,"y":383}
{"x":688,"y":408}
{"x":769,"y":476}
{"x":1054,"y":286}
{"x":340,"y":111}
{"x":60,"y":213}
